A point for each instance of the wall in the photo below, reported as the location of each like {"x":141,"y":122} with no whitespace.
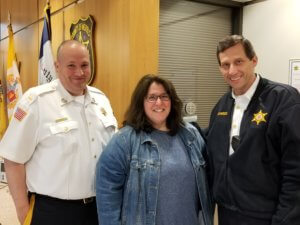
{"x":273,"y":28}
{"x":125,"y":41}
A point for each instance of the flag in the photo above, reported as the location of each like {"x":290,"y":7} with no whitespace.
{"x":3,"y":118}
{"x":13,"y":83}
{"x":46,"y":63}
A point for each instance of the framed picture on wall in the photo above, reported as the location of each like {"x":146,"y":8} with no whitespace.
{"x":294,"y":73}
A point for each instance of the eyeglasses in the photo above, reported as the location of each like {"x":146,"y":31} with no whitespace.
{"x":153,"y":98}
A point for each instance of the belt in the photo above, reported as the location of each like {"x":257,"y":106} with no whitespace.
{"x":78,"y":201}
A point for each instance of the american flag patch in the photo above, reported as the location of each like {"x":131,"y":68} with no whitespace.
{"x":19,"y":114}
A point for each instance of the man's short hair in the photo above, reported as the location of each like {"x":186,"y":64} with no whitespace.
{"x":232,"y":40}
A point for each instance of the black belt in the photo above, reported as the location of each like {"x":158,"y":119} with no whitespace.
{"x":78,"y":201}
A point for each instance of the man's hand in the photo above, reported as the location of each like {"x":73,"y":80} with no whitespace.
{"x":22,"y":212}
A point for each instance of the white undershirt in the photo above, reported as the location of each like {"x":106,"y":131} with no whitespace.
{"x":240,"y":105}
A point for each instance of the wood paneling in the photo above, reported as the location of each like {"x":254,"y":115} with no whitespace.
{"x":125,"y":41}
{"x":25,"y":41}
{"x":144,"y":37}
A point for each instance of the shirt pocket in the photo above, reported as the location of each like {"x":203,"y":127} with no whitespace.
{"x":63,"y":127}
{"x":65,"y":136}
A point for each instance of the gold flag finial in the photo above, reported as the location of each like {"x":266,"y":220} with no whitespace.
{"x":9,"y":17}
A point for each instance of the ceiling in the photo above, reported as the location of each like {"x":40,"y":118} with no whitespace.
{"x":243,"y":1}
{"x":230,"y":3}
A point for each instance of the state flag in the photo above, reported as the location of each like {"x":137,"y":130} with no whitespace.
{"x":46,"y":63}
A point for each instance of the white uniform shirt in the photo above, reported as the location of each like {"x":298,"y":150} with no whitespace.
{"x":241,"y":104}
{"x":59,"y":138}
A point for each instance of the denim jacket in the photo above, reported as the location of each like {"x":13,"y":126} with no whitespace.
{"x":128,"y":172}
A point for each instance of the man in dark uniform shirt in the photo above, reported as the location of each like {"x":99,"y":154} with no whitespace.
{"x":253,"y":142}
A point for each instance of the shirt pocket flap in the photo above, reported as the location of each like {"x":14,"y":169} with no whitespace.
{"x":63,"y":127}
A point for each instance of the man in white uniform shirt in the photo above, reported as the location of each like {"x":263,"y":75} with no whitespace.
{"x":53,"y":142}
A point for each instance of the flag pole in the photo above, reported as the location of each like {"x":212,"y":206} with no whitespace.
{"x":9,"y":18}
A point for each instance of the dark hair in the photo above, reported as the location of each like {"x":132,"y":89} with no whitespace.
{"x":135,"y":115}
{"x":233,"y":40}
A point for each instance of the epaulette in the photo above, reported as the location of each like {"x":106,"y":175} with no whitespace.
{"x":31,"y":95}
{"x":45,"y":88}
{"x":95,"y":90}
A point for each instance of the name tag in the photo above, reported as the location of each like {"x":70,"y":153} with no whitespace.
{"x":222,"y":114}
{"x":61,"y":120}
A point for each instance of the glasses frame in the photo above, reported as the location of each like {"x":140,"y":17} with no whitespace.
{"x":153,"y":98}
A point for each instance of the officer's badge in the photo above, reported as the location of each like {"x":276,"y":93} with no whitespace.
{"x":103,"y":111}
{"x":259,"y":117}
{"x":82,"y":31}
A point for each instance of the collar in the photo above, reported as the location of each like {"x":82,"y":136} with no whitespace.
{"x":88,"y":98}
{"x":250,"y":92}
{"x":183,"y":132}
{"x":66,"y":97}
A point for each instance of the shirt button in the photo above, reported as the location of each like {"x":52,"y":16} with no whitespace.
{"x":93,"y":139}
{"x":90,"y":123}
{"x":66,"y":129}
{"x":237,"y":107}
{"x":95,"y":156}
{"x":234,"y":126}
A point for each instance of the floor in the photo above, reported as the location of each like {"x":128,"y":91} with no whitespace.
{"x":7,"y":209}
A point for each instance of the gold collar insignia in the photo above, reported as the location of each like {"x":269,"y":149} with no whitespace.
{"x":259,"y":117}
{"x":93,"y":101}
{"x":63,"y":100}
{"x":103,"y":111}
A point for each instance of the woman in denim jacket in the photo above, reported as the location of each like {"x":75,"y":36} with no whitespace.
{"x":153,"y":171}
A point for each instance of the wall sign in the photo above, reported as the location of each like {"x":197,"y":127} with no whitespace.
{"x":83,"y":31}
{"x":294,"y":76}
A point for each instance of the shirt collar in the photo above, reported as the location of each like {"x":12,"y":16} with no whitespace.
{"x":66,"y":97}
{"x":88,"y":98}
{"x":250,"y":92}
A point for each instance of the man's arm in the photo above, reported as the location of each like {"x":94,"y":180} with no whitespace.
{"x":288,"y":207}
{"x":16,"y":178}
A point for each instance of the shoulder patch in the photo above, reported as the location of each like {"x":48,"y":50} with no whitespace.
{"x":20,"y":113}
